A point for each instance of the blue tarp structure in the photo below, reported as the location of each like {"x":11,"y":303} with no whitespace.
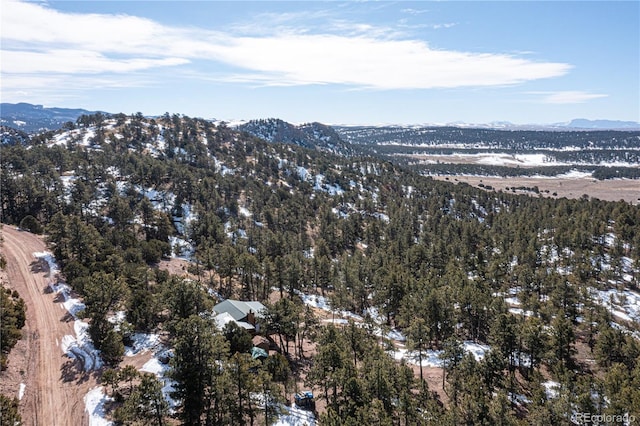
{"x":258,"y":353}
{"x":304,"y":399}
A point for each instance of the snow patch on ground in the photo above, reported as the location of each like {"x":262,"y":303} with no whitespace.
{"x":295,"y":416}
{"x":81,"y":347}
{"x":142,"y":342}
{"x":51,"y":262}
{"x":518,"y":311}
{"x":519,"y":399}
{"x":156,"y":367}
{"x":323,"y":303}
{"x":23,"y":387}
{"x":396,"y":335}
{"x":94,"y":403}
{"x":78,"y":346}
{"x":624,"y":304}
{"x":340,"y":321}
{"x":431,"y":358}
{"x":508,"y":159}
{"x":181,"y":249}
{"x":476,"y":349}
{"x":328,"y":188}
{"x":575,"y":174}
{"x":315,"y":301}
{"x":551,"y":389}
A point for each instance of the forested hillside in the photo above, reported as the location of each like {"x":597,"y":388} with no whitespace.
{"x":309,"y":135}
{"x":529,"y":307}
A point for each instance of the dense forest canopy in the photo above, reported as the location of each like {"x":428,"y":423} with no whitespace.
{"x":549,"y":285}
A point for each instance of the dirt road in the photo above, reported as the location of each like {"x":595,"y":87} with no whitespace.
{"x":55,"y":386}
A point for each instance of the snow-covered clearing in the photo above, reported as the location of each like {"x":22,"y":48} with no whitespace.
{"x":624,"y":304}
{"x":432,"y":358}
{"x":323,"y":303}
{"x":518,"y":159}
{"x":476,"y":349}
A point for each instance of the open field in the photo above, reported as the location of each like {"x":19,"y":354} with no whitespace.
{"x":558,"y":187}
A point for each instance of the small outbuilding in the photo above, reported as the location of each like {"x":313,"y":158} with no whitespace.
{"x":261,"y":342}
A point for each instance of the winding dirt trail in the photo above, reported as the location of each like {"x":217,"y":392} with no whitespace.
{"x":55,"y":385}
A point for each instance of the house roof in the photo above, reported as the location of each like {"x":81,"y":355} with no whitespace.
{"x":239,"y":309}
{"x":224,"y":318}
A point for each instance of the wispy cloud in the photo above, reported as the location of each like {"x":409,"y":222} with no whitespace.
{"x":77,"y":61}
{"x":567,"y":97}
{"x":412,"y":11}
{"x":46,"y":88}
{"x":445,"y":25}
{"x":39,"y":41}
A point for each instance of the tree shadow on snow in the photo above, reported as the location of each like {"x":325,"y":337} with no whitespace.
{"x":72,"y":371}
{"x":38,"y":266}
{"x":67,"y":317}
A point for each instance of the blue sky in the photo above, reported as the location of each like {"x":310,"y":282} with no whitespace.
{"x":365,"y":62}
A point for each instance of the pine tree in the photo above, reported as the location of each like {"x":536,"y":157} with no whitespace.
{"x":418,"y":340}
{"x":244,"y":382}
{"x":9,"y":414}
{"x":452,"y":354}
{"x":200,"y":354}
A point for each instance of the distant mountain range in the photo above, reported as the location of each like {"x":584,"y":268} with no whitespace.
{"x":36,"y":118}
{"x":583,"y":123}
{"x":575,"y":124}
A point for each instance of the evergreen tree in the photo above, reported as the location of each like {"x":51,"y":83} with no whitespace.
{"x":198,"y":365}
{"x":9,"y":414}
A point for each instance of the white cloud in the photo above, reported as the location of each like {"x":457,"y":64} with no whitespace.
{"x":38,"y":40}
{"x":568,"y":96}
{"x":445,"y":25}
{"x":378,"y":63}
{"x":53,"y":88}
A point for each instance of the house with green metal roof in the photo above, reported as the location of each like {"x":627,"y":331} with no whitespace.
{"x":242,"y":313}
